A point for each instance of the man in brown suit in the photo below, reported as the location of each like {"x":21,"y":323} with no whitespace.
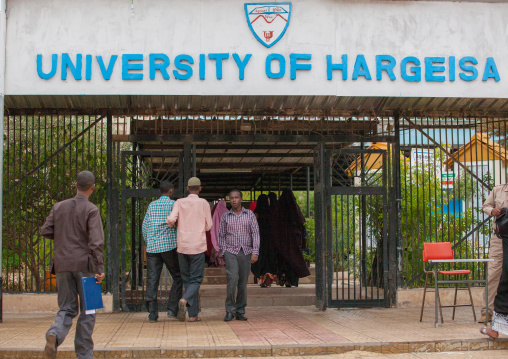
{"x":75,"y":226}
{"x":496,"y":200}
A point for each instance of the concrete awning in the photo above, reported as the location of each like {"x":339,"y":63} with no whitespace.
{"x":259,"y":105}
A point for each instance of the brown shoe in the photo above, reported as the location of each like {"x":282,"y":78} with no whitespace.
{"x":50,"y":348}
{"x":484,"y":317}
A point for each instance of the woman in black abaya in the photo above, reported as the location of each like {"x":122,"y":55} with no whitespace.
{"x":289,"y":237}
{"x":272,"y":200}
{"x":266,"y":267}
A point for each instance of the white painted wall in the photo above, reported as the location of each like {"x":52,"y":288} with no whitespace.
{"x":497,"y":169}
{"x":319,"y":27}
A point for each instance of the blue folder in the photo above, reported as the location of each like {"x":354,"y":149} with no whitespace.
{"x":92,"y":295}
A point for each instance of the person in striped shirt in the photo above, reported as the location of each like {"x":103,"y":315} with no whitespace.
{"x":239,"y":244}
{"x":160,"y":241}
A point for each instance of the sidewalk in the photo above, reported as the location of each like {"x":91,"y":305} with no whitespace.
{"x":270,"y":331}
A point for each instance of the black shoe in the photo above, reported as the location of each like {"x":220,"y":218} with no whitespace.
{"x":241,"y":317}
{"x":50,"y":349}
{"x":152,"y":317}
{"x":229,"y":317}
{"x":172,"y":315}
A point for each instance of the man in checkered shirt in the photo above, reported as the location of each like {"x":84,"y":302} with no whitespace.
{"x":239,"y":244}
{"x":160,"y":242}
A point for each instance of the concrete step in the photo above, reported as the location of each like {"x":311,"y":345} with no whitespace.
{"x":213,"y":296}
{"x":213,"y":276}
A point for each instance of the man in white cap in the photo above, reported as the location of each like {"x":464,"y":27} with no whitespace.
{"x":194,"y":219}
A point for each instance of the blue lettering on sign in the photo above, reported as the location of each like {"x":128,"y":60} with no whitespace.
{"x":202,"y":60}
{"x":218,"y":62}
{"x":181,"y":65}
{"x":241,"y":64}
{"x":67,"y":64}
{"x":54,"y":65}
{"x":431,"y":68}
{"x":491,"y":70}
{"x":294,"y":65}
{"x":331,"y":66}
{"x":361,"y":68}
{"x":282,"y":66}
{"x":128,"y":66}
{"x":468,"y":68}
{"x":107,"y":71}
{"x":451,"y":69}
{"x":381,"y":66}
{"x":416,"y":71}
{"x":88,"y":67}
{"x":411,"y":67}
{"x":162,"y":67}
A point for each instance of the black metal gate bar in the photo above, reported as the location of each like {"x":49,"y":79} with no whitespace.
{"x":396,"y":254}
{"x":321,"y":257}
{"x":109,"y":196}
{"x":444,"y":187}
{"x":43,"y":154}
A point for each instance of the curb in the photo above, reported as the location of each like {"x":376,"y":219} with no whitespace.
{"x":273,"y":350}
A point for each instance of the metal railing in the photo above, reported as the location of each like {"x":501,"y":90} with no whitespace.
{"x":42,"y":156}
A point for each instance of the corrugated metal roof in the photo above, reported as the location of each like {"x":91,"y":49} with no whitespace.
{"x":260,"y":105}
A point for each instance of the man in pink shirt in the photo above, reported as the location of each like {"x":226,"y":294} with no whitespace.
{"x":194,"y":219}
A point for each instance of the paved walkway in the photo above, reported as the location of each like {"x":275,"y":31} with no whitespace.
{"x":272,"y":331}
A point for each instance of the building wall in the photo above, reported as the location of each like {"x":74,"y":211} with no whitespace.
{"x":317,"y":27}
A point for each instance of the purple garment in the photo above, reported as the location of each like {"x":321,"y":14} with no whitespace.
{"x":217,"y":215}
{"x":239,"y":232}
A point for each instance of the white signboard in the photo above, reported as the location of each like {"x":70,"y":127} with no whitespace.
{"x":230,"y":47}
{"x":421,"y":156}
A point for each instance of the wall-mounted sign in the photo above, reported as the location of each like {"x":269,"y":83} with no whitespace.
{"x":447,"y":179}
{"x":421,"y":155}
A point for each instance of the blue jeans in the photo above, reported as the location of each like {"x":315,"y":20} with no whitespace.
{"x":192,"y":267}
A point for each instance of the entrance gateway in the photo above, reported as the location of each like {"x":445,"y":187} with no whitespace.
{"x":267,"y":154}
{"x":322,"y":94}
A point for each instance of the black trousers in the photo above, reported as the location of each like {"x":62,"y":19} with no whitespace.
{"x":501,"y":300}
{"x":154,"y":263}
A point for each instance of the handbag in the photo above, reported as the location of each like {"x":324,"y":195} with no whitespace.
{"x":501,"y":224}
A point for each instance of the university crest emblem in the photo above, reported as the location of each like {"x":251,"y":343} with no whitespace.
{"x":268,"y":21}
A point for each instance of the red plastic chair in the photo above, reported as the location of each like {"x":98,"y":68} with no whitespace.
{"x":437,"y":251}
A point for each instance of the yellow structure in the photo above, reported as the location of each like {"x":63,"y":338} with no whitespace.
{"x":482,"y":155}
{"x":371,"y":160}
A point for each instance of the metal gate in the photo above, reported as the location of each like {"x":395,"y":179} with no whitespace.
{"x":141,"y":173}
{"x":352,"y":191}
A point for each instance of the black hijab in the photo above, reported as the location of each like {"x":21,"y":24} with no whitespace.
{"x":262,"y":206}
{"x":273,"y":199}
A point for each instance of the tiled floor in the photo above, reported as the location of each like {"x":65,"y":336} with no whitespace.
{"x":498,"y":354}
{"x":275,"y":330}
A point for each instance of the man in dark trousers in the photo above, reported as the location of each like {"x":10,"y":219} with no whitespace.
{"x":160,"y":241}
{"x":194,"y":219}
{"x":239,"y":244}
{"x":75,"y":226}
